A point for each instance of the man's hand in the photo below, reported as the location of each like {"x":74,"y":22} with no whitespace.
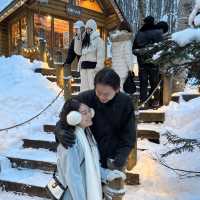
{"x":65,"y":137}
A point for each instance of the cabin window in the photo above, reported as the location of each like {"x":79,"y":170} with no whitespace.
{"x":61,"y":34}
{"x":42,"y":29}
{"x":89,"y":4}
{"x":18,"y":35}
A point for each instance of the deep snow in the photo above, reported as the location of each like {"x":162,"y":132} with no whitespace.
{"x":24,"y":93}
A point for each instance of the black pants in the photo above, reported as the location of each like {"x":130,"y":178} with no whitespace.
{"x":148,"y":74}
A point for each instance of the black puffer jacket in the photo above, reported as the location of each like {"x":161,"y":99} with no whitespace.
{"x":113,"y":126}
{"x":144,"y":38}
{"x":71,"y":55}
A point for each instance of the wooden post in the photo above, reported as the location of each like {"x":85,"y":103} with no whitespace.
{"x":67,"y":82}
{"x":167,"y":89}
{"x":132,"y":158}
{"x":42,"y":48}
{"x":114,"y":190}
{"x":59,"y":75}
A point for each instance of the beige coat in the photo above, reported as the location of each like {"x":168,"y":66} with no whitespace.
{"x":122,"y":57}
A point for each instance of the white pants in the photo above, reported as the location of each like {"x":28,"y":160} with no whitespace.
{"x":87,"y":79}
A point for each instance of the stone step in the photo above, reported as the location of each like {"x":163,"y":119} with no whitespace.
{"x":46,"y":71}
{"x":149,"y":117}
{"x":186,"y":97}
{"x":25,"y":181}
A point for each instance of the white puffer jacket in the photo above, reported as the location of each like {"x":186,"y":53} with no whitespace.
{"x":95,"y":52}
{"x":122,"y":57}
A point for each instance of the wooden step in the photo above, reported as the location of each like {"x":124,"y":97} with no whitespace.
{"x":46,"y":71}
{"x":51,"y":78}
{"x":186,"y":97}
{"x":38,"y":144}
{"x":149,"y":117}
{"x":132,"y":179}
{"x":21,"y":188}
{"x":148,"y":134}
{"x":25,"y":181}
{"x":75,"y":74}
{"x":32,"y":164}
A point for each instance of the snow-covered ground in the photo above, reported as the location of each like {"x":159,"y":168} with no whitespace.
{"x":24,"y":93}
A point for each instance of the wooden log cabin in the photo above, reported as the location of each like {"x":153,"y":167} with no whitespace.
{"x":24,"y":22}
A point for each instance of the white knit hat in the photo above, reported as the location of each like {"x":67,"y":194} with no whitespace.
{"x":74,"y":118}
{"x":91,"y":24}
{"x":79,"y":24}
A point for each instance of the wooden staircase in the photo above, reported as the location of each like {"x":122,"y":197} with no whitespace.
{"x":33,"y":164}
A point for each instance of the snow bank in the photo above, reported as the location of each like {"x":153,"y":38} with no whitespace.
{"x":184,"y":118}
{"x":23,"y":94}
{"x":186,"y":36}
{"x":4,"y":3}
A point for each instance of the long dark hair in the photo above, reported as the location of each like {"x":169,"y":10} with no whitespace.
{"x":86,"y":40}
{"x":70,"y":105}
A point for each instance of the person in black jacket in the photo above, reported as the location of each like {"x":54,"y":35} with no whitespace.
{"x":114,"y":122}
{"x":74,"y":50}
{"x":149,"y":34}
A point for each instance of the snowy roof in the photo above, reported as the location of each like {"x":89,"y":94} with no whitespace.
{"x":4,"y":4}
{"x":9,"y":6}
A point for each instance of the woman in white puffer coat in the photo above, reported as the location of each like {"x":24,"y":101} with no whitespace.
{"x":122,"y":57}
{"x":93,"y":55}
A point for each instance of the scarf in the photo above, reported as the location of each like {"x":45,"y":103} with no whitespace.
{"x":92,"y":165}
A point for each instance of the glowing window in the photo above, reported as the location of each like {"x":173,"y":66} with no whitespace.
{"x":61,"y":33}
{"x":42,"y":29}
{"x":89,"y":4}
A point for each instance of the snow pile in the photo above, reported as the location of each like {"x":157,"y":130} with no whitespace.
{"x":184,"y":118}
{"x":186,"y":36}
{"x":23,"y":95}
{"x":4,"y":3}
{"x":157,"y":181}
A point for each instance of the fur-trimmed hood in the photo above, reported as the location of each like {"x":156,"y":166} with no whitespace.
{"x":120,"y":36}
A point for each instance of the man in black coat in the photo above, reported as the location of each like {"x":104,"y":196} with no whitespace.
{"x":114,"y":122}
{"x":74,"y":50}
{"x":149,"y":34}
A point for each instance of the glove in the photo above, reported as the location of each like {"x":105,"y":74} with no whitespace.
{"x":120,"y":162}
{"x":115,"y":174}
{"x":65,"y":137}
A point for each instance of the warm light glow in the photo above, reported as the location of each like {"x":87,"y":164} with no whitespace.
{"x":89,"y":4}
{"x":48,"y":17}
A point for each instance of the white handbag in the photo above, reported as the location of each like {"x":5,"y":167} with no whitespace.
{"x":55,"y":188}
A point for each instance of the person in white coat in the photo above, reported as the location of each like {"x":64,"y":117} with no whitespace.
{"x":93,"y":55}
{"x":78,"y":167}
{"x":122,"y":57}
